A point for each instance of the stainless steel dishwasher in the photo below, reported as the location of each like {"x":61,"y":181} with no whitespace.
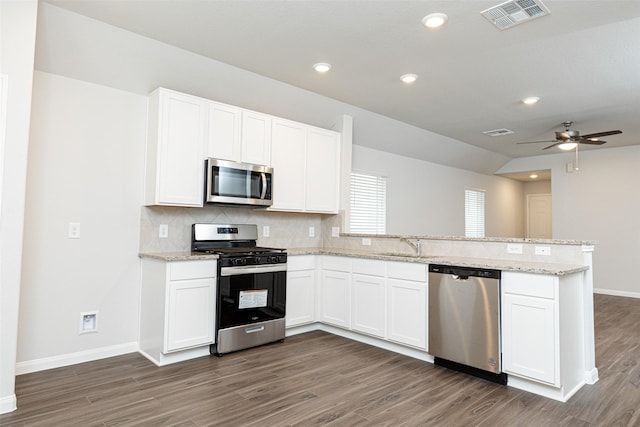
{"x":464,"y":320}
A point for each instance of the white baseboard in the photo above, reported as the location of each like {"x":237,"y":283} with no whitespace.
{"x":74,"y":358}
{"x":8,"y":404}
{"x":617,"y":293}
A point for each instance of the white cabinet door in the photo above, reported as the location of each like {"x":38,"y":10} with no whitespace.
{"x":529,"y":337}
{"x":190,"y":313}
{"x":368,"y":304}
{"x":407,"y":313}
{"x":256,"y":138}
{"x":224,"y":132}
{"x":288,"y":154}
{"x":301,"y":291}
{"x":175,"y":149}
{"x":334,"y":296}
{"x":323,"y":171}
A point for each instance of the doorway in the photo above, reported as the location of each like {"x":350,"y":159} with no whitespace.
{"x":538,"y":216}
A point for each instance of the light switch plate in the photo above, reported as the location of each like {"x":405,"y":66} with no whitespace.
{"x":312,"y":232}
{"x":335,"y":231}
{"x":74,"y":230}
{"x":163,"y":231}
{"x":266,"y":231}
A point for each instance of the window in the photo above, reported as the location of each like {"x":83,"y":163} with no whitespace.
{"x":474,"y":213}
{"x":368,"y":204}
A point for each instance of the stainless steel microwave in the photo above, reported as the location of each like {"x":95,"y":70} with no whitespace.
{"x":234,"y":183}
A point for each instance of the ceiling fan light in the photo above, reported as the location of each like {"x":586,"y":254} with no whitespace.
{"x":568,"y":146}
{"x":530,"y":100}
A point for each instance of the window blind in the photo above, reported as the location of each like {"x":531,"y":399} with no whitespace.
{"x":368,"y":203}
{"x":474,"y":213}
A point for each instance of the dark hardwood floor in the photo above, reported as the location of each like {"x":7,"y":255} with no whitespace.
{"x":321,"y":379}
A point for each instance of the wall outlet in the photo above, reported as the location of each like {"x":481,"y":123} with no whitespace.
{"x":514,"y":248}
{"x":312,"y":232}
{"x":266,"y":231}
{"x":74,"y":230}
{"x":88,"y":322}
{"x":335,"y":231}
{"x":366,"y":242}
{"x":163,"y":231}
{"x":543,"y":250}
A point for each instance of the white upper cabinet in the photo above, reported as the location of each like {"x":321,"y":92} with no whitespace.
{"x":238,"y":135}
{"x":256,"y":138}
{"x":224,"y":132}
{"x":175,"y":146}
{"x":288,"y":159}
{"x":323,"y":170}
{"x":184,"y":130}
{"x":306,"y":168}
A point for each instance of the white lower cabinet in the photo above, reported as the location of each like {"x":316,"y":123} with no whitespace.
{"x":383,"y":299}
{"x":368,"y":304}
{"x":530,"y":326}
{"x":301,"y":290}
{"x":407,"y":312}
{"x":177,"y":308}
{"x":407,"y":304}
{"x":335,"y":307}
{"x":189,"y":321}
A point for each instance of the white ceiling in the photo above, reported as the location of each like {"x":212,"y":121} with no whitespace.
{"x":583,"y":59}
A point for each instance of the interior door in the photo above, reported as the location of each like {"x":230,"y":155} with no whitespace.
{"x":539,"y":216}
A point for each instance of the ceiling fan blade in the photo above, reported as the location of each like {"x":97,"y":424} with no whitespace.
{"x":599,"y":134}
{"x":532,"y":142}
{"x":588,"y":141}
{"x":553,"y":145}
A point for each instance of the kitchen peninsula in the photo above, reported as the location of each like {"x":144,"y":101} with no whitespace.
{"x":373,"y":288}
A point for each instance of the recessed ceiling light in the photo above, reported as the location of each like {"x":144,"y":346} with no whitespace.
{"x":409,"y":78}
{"x":568,"y":146}
{"x":533,"y":176}
{"x":531,"y":100}
{"x":435,"y":20}
{"x":322,"y":67}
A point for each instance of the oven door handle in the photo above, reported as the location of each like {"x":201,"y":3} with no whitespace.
{"x":252,"y":269}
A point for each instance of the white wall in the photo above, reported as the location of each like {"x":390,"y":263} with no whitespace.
{"x":427,"y":198}
{"x":599,"y":202}
{"x":85,"y":165}
{"x":17,"y":44}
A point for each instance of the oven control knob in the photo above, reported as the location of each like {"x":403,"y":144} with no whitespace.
{"x":239,"y":261}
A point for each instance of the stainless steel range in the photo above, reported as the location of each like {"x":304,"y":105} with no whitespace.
{"x":251,"y":294}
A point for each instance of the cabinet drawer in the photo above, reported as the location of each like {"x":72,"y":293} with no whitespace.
{"x":336,"y":263}
{"x":407,"y":271}
{"x":303,"y":262}
{"x":368,"y":266}
{"x":534,"y":285}
{"x":192,"y":270}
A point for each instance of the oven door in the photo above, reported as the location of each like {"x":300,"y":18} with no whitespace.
{"x":251,"y":294}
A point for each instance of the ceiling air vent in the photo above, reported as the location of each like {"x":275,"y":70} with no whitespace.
{"x":510,"y":13}
{"x":497,"y":132}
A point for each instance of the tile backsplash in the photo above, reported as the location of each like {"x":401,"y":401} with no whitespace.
{"x":286,"y":230}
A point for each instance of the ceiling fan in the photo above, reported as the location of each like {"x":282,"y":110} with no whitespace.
{"x":569,"y":139}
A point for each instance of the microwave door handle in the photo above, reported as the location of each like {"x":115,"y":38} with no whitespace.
{"x":264,"y":185}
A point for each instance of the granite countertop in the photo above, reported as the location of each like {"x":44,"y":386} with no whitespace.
{"x":550,"y":268}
